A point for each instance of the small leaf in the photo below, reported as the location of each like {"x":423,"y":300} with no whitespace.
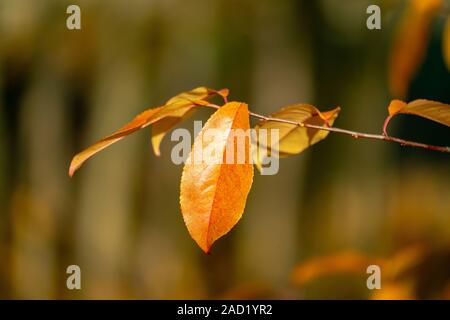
{"x":163,"y":126}
{"x":446,"y":43}
{"x":410,"y":44}
{"x":213,"y":193}
{"x":174,"y":111}
{"x":293,"y":139}
{"x":432,"y":110}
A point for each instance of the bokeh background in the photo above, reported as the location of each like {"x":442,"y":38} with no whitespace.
{"x":119,"y":217}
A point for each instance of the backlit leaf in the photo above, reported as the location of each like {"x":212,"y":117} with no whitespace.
{"x":176,"y":110}
{"x":213,"y":193}
{"x":394,"y":290}
{"x":169,"y":114}
{"x":293,"y":138}
{"x":410,"y":43}
{"x":432,"y":110}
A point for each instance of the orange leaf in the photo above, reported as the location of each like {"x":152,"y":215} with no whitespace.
{"x":410,"y":43}
{"x":137,"y":123}
{"x":174,"y":111}
{"x":395,"y":106}
{"x":213,"y":192}
{"x":432,"y":110}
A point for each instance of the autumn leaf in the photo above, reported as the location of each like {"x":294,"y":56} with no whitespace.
{"x":432,"y":110}
{"x":410,"y":44}
{"x":178,"y":109}
{"x":214,"y":192}
{"x":347,"y":262}
{"x":446,"y":43}
{"x":167,"y":115}
{"x":293,"y":139}
{"x":139,"y":122}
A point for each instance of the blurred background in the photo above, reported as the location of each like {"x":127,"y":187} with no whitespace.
{"x":119,"y":217}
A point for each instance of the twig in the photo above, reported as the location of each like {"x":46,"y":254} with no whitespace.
{"x":354,"y":134}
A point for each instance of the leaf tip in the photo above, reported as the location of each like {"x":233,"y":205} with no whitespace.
{"x":156,"y":149}
{"x":206,"y":250}
{"x":395,"y":106}
{"x":224,"y":92}
{"x":73,"y":167}
{"x":204,"y":244}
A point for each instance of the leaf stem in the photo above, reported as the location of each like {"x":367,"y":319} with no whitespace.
{"x":354,"y":134}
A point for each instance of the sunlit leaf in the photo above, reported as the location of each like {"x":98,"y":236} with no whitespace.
{"x":213,"y":193}
{"x":432,"y":110}
{"x":180,"y":104}
{"x":169,"y":114}
{"x":410,"y":44}
{"x":178,"y":109}
{"x":293,"y":139}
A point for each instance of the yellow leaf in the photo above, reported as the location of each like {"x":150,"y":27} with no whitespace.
{"x":293,"y":138}
{"x":213,"y":192}
{"x":410,"y":43}
{"x":176,"y":108}
{"x":432,"y":110}
{"x":446,"y":43}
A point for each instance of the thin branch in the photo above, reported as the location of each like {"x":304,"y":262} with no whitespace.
{"x":354,"y":134}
